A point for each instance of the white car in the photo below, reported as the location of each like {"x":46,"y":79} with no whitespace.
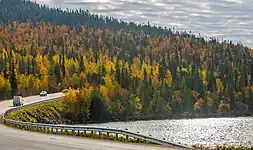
{"x":65,"y":91}
{"x":43,"y":93}
{"x":18,"y":101}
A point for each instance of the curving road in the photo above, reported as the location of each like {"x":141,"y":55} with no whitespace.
{"x":15,"y":139}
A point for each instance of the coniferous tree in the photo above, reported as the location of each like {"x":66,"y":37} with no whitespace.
{"x":13,"y":78}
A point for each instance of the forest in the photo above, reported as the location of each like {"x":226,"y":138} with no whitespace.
{"x":124,"y":71}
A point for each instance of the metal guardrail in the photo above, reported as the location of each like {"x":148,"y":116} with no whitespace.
{"x":83,"y":129}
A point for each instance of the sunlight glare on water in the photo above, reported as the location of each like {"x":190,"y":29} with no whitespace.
{"x":206,"y":132}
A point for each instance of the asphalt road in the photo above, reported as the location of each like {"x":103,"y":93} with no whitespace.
{"x":15,"y":139}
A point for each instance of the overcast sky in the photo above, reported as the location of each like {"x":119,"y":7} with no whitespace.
{"x":227,"y":19}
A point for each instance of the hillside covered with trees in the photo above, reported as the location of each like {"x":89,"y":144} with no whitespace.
{"x":124,"y":70}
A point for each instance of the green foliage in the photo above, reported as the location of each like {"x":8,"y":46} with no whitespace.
{"x":49,"y":112}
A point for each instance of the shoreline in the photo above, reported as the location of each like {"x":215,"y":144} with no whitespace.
{"x":61,"y":120}
{"x":169,"y":118}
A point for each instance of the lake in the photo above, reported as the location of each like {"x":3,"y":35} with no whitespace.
{"x":225,"y":19}
{"x":206,"y":132}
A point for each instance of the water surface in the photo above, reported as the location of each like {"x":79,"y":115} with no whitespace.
{"x":207,"y":132}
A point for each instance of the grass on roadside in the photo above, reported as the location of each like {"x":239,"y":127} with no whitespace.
{"x":49,"y":112}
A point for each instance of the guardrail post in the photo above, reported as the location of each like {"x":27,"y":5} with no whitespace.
{"x":61,"y":131}
{"x":72,"y":131}
{"x":127,"y":137}
{"x":84,"y":132}
{"x":108,"y":135}
{"x":78,"y":132}
{"x":99,"y":134}
{"x":117,"y":136}
{"x":91,"y":133}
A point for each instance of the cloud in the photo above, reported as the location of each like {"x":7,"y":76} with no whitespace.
{"x":230,"y":19}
